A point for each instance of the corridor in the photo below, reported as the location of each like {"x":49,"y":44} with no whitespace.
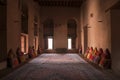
{"x":58,"y":67}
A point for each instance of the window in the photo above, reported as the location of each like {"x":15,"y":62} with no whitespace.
{"x":69,"y":43}
{"x":50,"y":43}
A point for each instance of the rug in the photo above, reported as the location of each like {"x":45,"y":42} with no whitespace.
{"x":58,"y":67}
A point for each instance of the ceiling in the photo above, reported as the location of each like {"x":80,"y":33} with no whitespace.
{"x":116,"y":6}
{"x":59,"y":3}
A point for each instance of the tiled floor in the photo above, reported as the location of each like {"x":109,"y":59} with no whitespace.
{"x":59,"y":67}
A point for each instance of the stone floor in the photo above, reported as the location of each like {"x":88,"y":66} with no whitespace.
{"x":59,"y":67}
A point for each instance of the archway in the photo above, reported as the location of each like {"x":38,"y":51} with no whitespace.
{"x":48,"y":32}
{"x":72,"y":32}
{"x":24,"y":27}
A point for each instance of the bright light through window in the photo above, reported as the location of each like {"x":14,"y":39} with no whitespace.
{"x":69,"y":43}
{"x":50,"y":43}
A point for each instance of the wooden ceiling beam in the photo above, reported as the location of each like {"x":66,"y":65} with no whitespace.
{"x":59,"y":3}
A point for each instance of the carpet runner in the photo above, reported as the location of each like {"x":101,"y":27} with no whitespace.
{"x":58,"y":67}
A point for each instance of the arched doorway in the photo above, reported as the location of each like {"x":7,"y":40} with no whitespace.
{"x":24,"y":27}
{"x":71,"y":33}
{"x":48,"y":33}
